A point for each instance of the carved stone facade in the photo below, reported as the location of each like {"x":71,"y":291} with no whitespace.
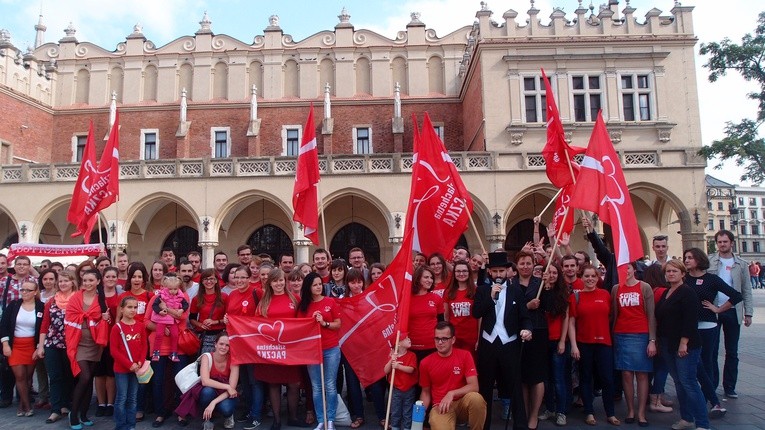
{"x":221,"y":160}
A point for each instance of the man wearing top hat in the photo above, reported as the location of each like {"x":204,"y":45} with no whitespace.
{"x":505,"y":323}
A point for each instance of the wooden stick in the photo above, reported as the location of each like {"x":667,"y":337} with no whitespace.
{"x":321,"y":214}
{"x":550,"y":202}
{"x":392,"y":379}
{"x":554,"y":247}
{"x":100,"y":239}
{"x":323,"y":394}
{"x":475,"y":230}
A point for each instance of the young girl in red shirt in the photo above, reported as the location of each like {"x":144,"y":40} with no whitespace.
{"x":128,"y":348}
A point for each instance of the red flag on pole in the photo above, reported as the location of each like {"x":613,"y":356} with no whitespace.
{"x":370,"y":320}
{"x":81,"y":187}
{"x":290,"y":341}
{"x":557,"y":152}
{"x":601,"y":188}
{"x":305,"y":196}
{"x":439,"y":204}
{"x":562,"y":206}
{"x":103,"y":183}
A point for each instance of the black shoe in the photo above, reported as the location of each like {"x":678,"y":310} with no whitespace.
{"x":109,"y":411}
{"x":243,"y":418}
{"x":276,"y":425}
{"x":100,"y":411}
{"x":5,"y":403}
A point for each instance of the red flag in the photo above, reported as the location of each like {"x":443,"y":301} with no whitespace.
{"x":305,"y":196}
{"x":103,"y":183}
{"x":370,"y":320}
{"x":557,"y":152}
{"x":561,"y":208}
{"x":439,"y":204}
{"x":601,"y":188}
{"x":291,"y":341}
{"x":81,"y":188}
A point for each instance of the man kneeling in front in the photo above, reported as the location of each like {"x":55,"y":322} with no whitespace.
{"x":449,"y":383}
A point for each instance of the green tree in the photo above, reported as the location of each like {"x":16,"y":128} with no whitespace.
{"x":742,"y":142}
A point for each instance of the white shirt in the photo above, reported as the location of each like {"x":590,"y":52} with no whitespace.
{"x":724,"y":272}
{"x":25,"y":323}
{"x":499,"y":327}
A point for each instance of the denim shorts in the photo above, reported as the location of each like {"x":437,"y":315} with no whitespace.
{"x":630,"y":352}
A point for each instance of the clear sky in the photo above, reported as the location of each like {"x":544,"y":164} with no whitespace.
{"x":108,"y":22}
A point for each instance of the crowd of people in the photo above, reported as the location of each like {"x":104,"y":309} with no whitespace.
{"x":548,"y":331}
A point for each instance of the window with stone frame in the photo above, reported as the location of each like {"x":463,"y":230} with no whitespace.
{"x":588,"y":97}
{"x":220,"y":142}
{"x":362,"y":140}
{"x":636,"y":93}
{"x":534,"y":99}
{"x":149,"y":144}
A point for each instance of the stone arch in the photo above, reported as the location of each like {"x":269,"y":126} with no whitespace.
{"x":524,"y":206}
{"x":51,"y":226}
{"x":436,"y":78}
{"x":291,"y":79}
{"x":363,"y":76}
{"x":150,"y":220}
{"x":255,"y":77}
{"x":481,"y":217}
{"x":150,"y":79}
{"x":82,"y":86}
{"x":8,"y":225}
{"x":399,"y":73}
{"x":186,"y":80}
{"x":220,"y":81}
{"x":116,"y":82}
{"x":327,"y":76}
{"x":352,"y":205}
{"x":240,"y":216}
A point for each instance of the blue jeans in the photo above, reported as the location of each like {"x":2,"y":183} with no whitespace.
{"x":125,"y":400}
{"x":401,"y":409}
{"x":660,"y":373}
{"x":331,"y":364}
{"x":598,"y":358}
{"x":165,"y":393}
{"x":731,"y":329}
{"x":257,"y":394}
{"x":755,"y":281}
{"x":693,"y":407}
{"x":355,"y":395}
{"x":558,"y":391}
{"x":225,"y":407}
{"x":60,"y":379}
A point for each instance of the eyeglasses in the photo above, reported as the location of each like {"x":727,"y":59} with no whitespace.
{"x":27,"y":290}
{"x":461,"y":271}
{"x":442,"y":339}
{"x":241,"y":277}
{"x":209,"y":280}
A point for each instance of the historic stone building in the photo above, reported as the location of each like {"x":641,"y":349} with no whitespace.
{"x":210,"y":126}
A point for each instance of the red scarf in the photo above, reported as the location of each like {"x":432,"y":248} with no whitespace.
{"x":75,"y":316}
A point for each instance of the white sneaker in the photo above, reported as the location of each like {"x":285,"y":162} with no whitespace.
{"x":546,"y":415}
{"x":683,"y":425}
{"x":560,"y":420}
{"x":330,"y":425}
{"x":208,"y":425}
{"x":229,"y":423}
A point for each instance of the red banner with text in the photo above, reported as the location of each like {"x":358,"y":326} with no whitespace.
{"x":290,"y":341}
{"x":45,"y":250}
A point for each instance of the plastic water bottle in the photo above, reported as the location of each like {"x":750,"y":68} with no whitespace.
{"x":418,"y":415}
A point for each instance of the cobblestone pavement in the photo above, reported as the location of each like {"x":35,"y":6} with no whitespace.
{"x":746,"y":412}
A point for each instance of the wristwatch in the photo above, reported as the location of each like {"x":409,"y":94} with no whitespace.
{"x":326,"y":324}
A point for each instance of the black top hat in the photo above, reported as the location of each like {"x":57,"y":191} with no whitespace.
{"x":498,"y":259}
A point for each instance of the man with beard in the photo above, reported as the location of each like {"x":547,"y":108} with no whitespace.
{"x":195,"y":258}
{"x":505,"y":322}
{"x":321,"y":264}
{"x":244,"y":254}
{"x":286,"y":262}
{"x":186,"y":273}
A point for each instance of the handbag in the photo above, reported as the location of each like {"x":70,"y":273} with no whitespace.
{"x":189,"y":375}
{"x":145,"y":372}
{"x":188,"y":342}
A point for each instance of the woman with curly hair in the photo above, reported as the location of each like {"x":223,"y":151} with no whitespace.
{"x":558,"y":395}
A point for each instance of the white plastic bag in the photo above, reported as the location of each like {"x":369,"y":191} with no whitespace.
{"x":342,"y":416}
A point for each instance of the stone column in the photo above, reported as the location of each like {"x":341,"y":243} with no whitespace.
{"x":208,"y":254}
{"x":496,"y":241}
{"x":396,"y":244}
{"x":302,"y":248}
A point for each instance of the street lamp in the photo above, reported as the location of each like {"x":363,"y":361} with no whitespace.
{"x":733,"y":222}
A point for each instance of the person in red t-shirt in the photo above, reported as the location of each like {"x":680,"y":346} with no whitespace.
{"x":128,"y":346}
{"x":558,"y":395}
{"x":207,"y":310}
{"x":634,"y":339}
{"x":441,"y":274}
{"x":590,"y":336}
{"x":449,"y":382}
{"x":404,"y":382}
{"x":459,"y":298}
{"x":326,"y":312}
{"x":425,"y":310}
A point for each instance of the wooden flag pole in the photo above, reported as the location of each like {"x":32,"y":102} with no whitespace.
{"x":321,"y":214}
{"x":323,"y":394}
{"x":100,"y":238}
{"x":552,"y":252}
{"x":478,"y":236}
{"x":392,"y":379}
{"x":550,"y":202}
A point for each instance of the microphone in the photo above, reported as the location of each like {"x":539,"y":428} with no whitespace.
{"x":497,"y":281}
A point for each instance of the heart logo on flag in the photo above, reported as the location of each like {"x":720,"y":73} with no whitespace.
{"x":272,"y":332}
